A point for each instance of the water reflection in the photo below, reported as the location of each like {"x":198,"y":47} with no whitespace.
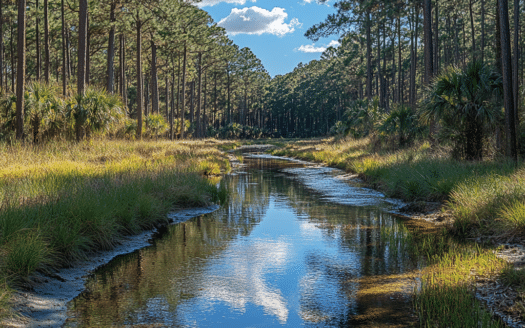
{"x":283,"y":252}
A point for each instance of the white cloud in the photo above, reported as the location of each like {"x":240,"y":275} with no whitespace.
{"x":310,"y":1}
{"x":209,"y":3}
{"x":255,"y":20}
{"x":312,"y":48}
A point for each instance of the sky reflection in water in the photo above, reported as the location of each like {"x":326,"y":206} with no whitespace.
{"x":288,"y":250}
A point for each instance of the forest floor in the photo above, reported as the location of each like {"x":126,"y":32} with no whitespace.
{"x":62,"y":203}
{"x":476,"y":255}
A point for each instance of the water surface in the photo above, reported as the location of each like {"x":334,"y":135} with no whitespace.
{"x":297,"y":245}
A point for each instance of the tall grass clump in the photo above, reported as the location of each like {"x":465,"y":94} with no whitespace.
{"x":61,"y":201}
{"x":445,"y":296}
{"x":491,"y":204}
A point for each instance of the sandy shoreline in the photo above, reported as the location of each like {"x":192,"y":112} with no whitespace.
{"x":46,"y":304}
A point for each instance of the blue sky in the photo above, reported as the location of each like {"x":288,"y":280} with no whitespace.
{"x":273,"y":29}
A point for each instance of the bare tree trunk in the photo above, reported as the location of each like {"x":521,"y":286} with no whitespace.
{"x":473,"y":34}
{"x":82,"y":40}
{"x":204,"y":116}
{"x":178,"y":85}
{"x":46,"y":42}
{"x":123,"y":85}
{"x":167,"y":98}
{"x":88,"y":55}
{"x":154,"y":80}
{"x":147,"y":86}
{"x":183,"y":99}
{"x":213,"y":121}
{"x":111,"y":49}
{"x":378,"y":61}
{"x":37,"y":35}
{"x":436,"y":38}
{"x":199,"y":96}
{"x":229,"y":117}
{"x":497,"y":37}
{"x":172,"y":104}
{"x":427,"y":25}
{"x":368,"y":57}
{"x":515,"y":59}
{"x":68,"y":56}
{"x":12,"y":50}
{"x":64,"y":63}
{"x":456,"y":41}
{"x":139,"y":78}
{"x":21,"y":69}
{"x":510,"y":123}
{"x":400,"y":67}
{"x":192,"y":102}
{"x":482,"y":31}
{"x":1,"y":46}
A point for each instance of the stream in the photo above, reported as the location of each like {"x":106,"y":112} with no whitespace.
{"x":297,"y":244}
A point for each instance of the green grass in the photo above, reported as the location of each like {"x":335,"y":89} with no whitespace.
{"x":445,"y":297}
{"x":61,"y":201}
{"x":484,"y":197}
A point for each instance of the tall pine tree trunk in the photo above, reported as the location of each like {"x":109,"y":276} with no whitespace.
{"x":368,"y":56}
{"x":140,"y":86}
{"x":64,"y":62}
{"x":21,"y":69}
{"x":473,"y":34}
{"x":111,"y":49}
{"x":173,"y":95}
{"x":204,"y":116}
{"x":1,"y":46}
{"x":81,"y":67}
{"x":482,"y":31}
{"x":154,"y":80}
{"x":436,"y":37}
{"x":400,"y":68}
{"x":198,"y":124}
{"x":427,"y":26}
{"x":183,"y":99}
{"x":123,"y":84}
{"x":508,"y":93}
{"x":37,"y":35}
{"x":515,"y":60}
{"x":192,"y":102}
{"x":46,"y":42}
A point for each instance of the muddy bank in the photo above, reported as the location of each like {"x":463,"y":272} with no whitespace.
{"x":46,"y":304}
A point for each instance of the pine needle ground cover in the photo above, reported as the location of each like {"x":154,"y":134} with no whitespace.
{"x":61,"y":201}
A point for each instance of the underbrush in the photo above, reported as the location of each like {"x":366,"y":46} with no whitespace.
{"x":61,"y":201}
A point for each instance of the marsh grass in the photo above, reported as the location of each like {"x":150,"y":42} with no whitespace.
{"x":484,"y":197}
{"x":61,"y":201}
{"x":445,"y":297}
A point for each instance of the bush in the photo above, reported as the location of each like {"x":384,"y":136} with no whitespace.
{"x":466,"y":103}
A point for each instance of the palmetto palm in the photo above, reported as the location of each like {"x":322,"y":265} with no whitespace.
{"x":43,"y":108}
{"x":463,"y":100}
{"x":95,"y":110}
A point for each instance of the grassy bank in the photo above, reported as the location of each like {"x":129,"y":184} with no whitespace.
{"x":61,"y":201}
{"x":485,"y":199}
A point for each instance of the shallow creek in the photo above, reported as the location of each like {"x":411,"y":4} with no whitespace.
{"x":296,"y":245}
